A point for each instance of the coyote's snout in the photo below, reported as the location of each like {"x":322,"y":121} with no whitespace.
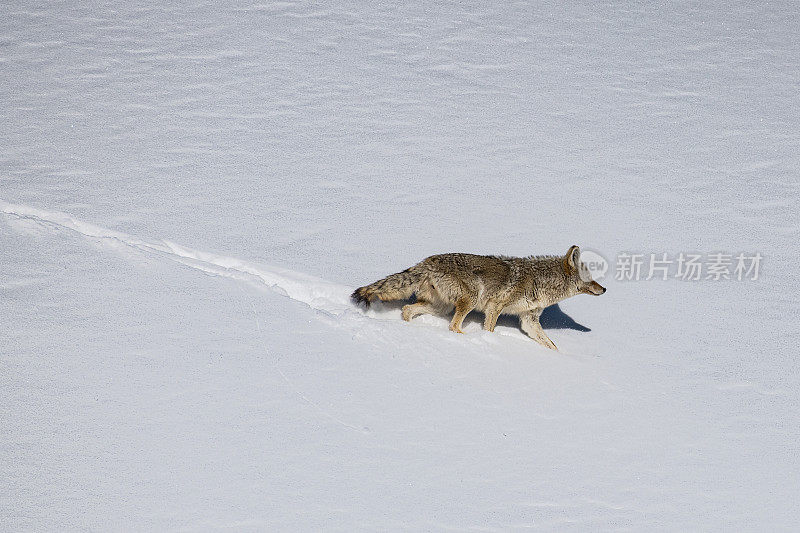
{"x":494,"y":284}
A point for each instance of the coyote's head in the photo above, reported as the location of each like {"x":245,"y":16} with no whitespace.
{"x":578,"y":275}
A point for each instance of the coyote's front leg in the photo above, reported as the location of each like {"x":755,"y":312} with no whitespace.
{"x":492,"y":313}
{"x":529,"y":323}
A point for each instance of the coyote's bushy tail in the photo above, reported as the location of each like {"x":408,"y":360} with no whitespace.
{"x":394,"y":287}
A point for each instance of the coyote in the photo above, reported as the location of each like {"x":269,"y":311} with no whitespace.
{"x":494,"y":284}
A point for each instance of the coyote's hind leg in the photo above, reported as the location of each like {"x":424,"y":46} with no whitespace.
{"x":463,"y":307}
{"x":421,"y":307}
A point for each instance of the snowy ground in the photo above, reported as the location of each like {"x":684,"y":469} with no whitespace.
{"x":188,"y":193}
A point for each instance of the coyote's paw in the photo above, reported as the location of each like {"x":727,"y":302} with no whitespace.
{"x":547,"y":343}
{"x":457,"y":330}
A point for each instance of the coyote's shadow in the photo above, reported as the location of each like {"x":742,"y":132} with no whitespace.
{"x":552,"y":317}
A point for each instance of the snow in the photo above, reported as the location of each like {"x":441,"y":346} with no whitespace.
{"x":189,"y":192}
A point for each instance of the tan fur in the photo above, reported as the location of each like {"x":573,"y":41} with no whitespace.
{"x":496,"y":285}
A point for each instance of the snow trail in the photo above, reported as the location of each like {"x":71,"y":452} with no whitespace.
{"x":317,"y":293}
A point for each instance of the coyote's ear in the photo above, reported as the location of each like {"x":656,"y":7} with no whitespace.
{"x":572,"y":259}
